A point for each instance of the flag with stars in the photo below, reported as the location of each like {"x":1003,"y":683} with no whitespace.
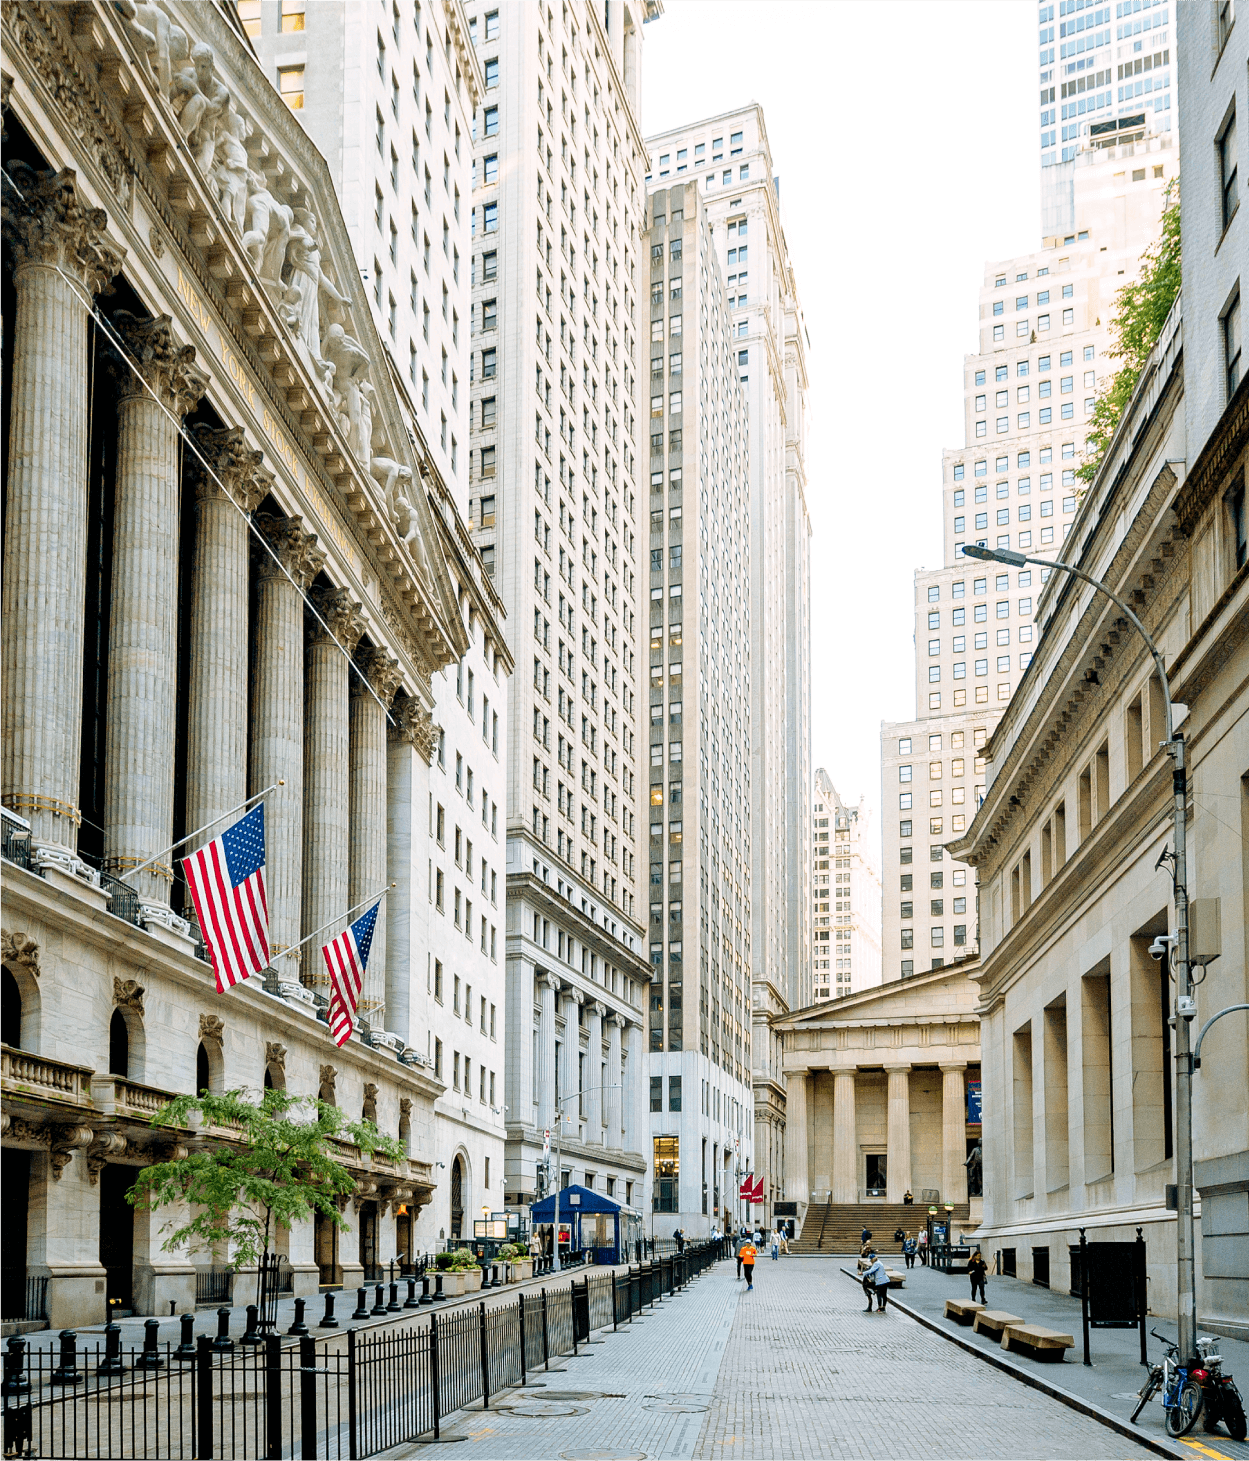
{"x":347,"y":957}
{"x":227,"y":882}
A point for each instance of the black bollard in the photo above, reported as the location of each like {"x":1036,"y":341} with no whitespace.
{"x":150,"y":1359}
{"x":186,"y":1349}
{"x":112,"y":1363}
{"x":328,"y":1320}
{"x":394,"y":1307}
{"x":361,"y":1310}
{"x":379,"y":1301}
{"x":251,"y":1334}
{"x":426,"y":1296}
{"x":411,"y":1302}
{"x":223,"y":1344}
{"x":67,"y":1372}
{"x":299,"y":1326}
{"x":439,"y":1296}
{"x":15,"y":1381}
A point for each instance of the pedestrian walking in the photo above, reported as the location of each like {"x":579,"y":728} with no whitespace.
{"x":739,"y":1254}
{"x":679,"y":1235}
{"x":865,"y":1236}
{"x":785,"y":1240}
{"x":977,"y":1269}
{"x":908,"y":1251}
{"x":876,"y":1280}
{"x":923,"y":1246}
{"x":776,"y":1244}
{"x":746,"y":1256}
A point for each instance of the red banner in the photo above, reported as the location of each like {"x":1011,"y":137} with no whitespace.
{"x":747,"y":1189}
{"x":757,"y":1195}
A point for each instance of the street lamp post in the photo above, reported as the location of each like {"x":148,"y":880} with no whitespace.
{"x":559,"y":1175}
{"x":1185,"y":1004}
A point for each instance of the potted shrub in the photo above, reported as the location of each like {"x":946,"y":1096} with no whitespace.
{"x":519,"y":1263}
{"x":452,"y":1279}
{"x":465,"y":1267}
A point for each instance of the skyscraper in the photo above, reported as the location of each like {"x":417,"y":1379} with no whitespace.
{"x":845,"y":894}
{"x":557,"y":217}
{"x":701,"y":1105}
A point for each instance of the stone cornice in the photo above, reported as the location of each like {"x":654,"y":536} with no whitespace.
{"x":532,"y":889}
{"x":1228,"y":439}
{"x":457,"y":27}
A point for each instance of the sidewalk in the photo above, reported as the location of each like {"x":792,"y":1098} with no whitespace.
{"x":1116,"y":1374}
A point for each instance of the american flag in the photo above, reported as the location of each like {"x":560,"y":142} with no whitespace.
{"x":347,"y":957}
{"x":227,"y":882}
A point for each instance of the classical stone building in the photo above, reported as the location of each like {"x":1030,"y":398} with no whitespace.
{"x":227,"y":569}
{"x":880,"y":1086}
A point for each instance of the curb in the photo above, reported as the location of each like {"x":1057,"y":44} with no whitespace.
{"x":1047,"y":1387}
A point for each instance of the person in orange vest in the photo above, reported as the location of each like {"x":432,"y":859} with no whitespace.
{"x":746,"y":1255}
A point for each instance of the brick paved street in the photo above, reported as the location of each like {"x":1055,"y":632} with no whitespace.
{"x":795,"y":1369}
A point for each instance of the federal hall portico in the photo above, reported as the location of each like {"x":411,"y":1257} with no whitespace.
{"x":877,"y":1096}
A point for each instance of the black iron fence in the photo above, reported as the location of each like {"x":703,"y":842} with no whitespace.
{"x":349,"y":1394}
{"x":214,"y":1284}
{"x":24,"y":1296}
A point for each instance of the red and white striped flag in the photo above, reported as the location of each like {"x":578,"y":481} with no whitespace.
{"x":347,"y":957}
{"x":227,"y":882}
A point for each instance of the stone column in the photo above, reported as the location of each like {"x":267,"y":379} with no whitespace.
{"x":898,"y":1179}
{"x":796,"y":1092}
{"x":636,"y":1113}
{"x":46,"y":231}
{"x":331,"y":640}
{"x":544,"y":1076}
{"x":845,"y":1139}
{"x":157,"y":385}
{"x":953,"y":1132}
{"x":230,"y":483}
{"x":570,"y":1049}
{"x":615,"y":1082}
{"x":405,"y":797}
{"x":593,"y":1075}
{"x":277,"y":749}
{"x":366,"y":874}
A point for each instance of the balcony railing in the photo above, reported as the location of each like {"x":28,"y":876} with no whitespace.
{"x":16,"y":838}
{"x":36,"y":1075}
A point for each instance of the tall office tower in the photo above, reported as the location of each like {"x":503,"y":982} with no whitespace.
{"x":730,"y":159}
{"x":1044,"y":325}
{"x":558,"y":214}
{"x":1106,"y":81}
{"x":389,"y":100}
{"x":845,"y":894}
{"x":698,"y":806}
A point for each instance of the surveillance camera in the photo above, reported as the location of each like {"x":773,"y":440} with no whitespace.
{"x":1161,"y":946}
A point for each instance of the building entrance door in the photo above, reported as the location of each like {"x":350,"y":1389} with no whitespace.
{"x":15,"y":1183}
{"x":117,"y":1238}
{"x":368,"y":1242}
{"x":877,"y":1174}
{"x":325,"y":1246}
{"x":457,"y":1198}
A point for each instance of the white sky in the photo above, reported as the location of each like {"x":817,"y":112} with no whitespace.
{"x":905,"y":136}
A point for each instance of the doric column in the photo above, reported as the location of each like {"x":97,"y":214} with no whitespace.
{"x":331,"y":640}
{"x":615,"y":1082}
{"x":230,"y":482}
{"x":404,"y":796}
{"x":898,"y":1177}
{"x":569,"y":1069}
{"x":636,"y":1117}
{"x":157,"y":384}
{"x":544,"y":1077}
{"x":845,"y":1139}
{"x":60,"y":259}
{"x":796,"y":1096}
{"x":277,"y":750}
{"x":953,"y":1132}
{"x":373,"y":687}
{"x":595,"y":1011}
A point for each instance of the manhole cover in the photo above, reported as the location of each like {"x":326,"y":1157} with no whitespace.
{"x":603,"y":1455}
{"x":677,"y":1404}
{"x":564,"y":1395}
{"x":540,"y":1410}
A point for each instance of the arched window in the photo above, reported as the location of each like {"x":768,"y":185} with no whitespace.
{"x":268,"y":1076}
{"x":203,"y":1076}
{"x":457,"y":1198}
{"x":118,"y":1045}
{"x":11,"y":1012}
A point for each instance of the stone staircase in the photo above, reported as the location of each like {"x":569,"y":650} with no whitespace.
{"x":834,"y":1227}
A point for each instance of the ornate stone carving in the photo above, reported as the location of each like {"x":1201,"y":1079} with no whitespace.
{"x":380,"y":671}
{"x":230,"y":464}
{"x":159,"y":364}
{"x":19,"y":951}
{"x":293,"y":550}
{"x":405,"y":1106}
{"x":156,"y":241}
{"x":368,"y":1108}
{"x":48,"y":226}
{"x":107,"y":1147}
{"x":411,"y":722}
{"x":128,"y":994}
{"x":329,"y":1074}
{"x":275,"y":1055}
{"x":304,"y":272}
{"x":212,"y":1030}
{"x":64,"y":1142}
{"x":339,"y":617}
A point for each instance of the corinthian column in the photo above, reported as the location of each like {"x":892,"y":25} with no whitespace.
{"x":570,"y":1050}
{"x":60,"y":259}
{"x":953,"y":1132}
{"x":277,"y":750}
{"x":378,"y":673}
{"x":845,"y":1139}
{"x":898,"y":1175}
{"x":594,"y":1077}
{"x":544,"y":1076}
{"x":157,"y":385}
{"x":797,"y":1188}
{"x":615,"y":1082}
{"x":230,"y":483}
{"x":327,"y":797}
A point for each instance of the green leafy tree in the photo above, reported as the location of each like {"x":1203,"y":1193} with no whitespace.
{"x":275,"y":1169}
{"x":1140,"y":311}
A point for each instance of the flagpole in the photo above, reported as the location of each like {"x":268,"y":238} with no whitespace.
{"x":255,"y":797}
{"x":309,"y":937}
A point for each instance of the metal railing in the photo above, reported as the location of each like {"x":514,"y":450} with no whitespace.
{"x":214,"y":1284}
{"x":15,"y":838}
{"x":25,"y":1296}
{"x":123,"y":901}
{"x":354,"y":1393}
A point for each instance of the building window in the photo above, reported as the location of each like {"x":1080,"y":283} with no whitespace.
{"x":1232,"y":346}
{"x":292,"y":15}
{"x":291,"y":86}
{"x":1228,"y":169}
{"x":249,"y":15}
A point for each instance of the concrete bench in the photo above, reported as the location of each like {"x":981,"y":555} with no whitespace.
{"x":961,"y":1311}
{"x":1034,"y":1340}
{"x":993,"y":1321}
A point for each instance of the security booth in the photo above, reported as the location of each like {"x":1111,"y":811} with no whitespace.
{"x":605,"y":1228}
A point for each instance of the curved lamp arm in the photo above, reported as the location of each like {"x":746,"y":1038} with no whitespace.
{"x":1206,"y":1026}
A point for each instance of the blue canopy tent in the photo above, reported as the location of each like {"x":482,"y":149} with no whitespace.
{"x":595,"y":1222}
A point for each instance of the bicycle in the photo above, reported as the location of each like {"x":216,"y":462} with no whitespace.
{"x":1181,"y":1395}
